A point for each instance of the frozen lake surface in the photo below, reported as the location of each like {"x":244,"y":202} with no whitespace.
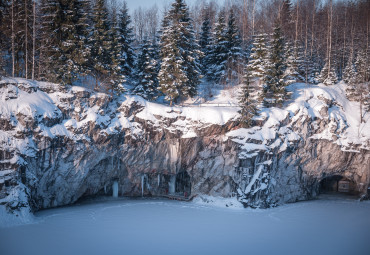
{"x":122,"y":226}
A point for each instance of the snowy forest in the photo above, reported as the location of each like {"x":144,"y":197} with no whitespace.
{"x":266,"y":45}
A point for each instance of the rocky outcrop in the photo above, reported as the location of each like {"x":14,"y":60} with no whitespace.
{"x":58,"y":145}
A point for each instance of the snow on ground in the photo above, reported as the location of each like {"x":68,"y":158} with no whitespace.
{"x":316,"y":102}
{"x":170,"y":227}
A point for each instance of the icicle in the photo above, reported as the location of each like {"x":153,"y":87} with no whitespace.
{"x":159,"y":179}
{"x":115,"y":189}
{"x":105,"y":189}
{"x":142,"y":185}
{"x":172,"y":184}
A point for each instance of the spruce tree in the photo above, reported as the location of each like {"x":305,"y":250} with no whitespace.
{"x":275,"y":92}
{"x":4,"y":40}
{"x":83,"y":26}
{"x":49,"y":27}
{"x":328,"y":77}
{"x":361,"y":67}
{"x":313,"y":69}
{"x":234,"y":55}
{"x":259,"y":57}
{"x":71,"y":55}
{"x":180,"y":73}
{"x":226,"y":53}
{"x":147,"y":71}
{"x":205,"y":44}
{"x":219,"y":52}
{"x":101,"y":45}
{"x":117,"y":77}
{"x":248,"y":100}
{"x":349,"y":73}
{"x":125,"y":32}
{"x":291,"y":73}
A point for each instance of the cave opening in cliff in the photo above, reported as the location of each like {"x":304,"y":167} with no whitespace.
{"x":337,"y":184}
{"x":183,"y":184}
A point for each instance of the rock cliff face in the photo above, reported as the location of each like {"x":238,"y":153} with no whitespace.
{"x":58,"y":145}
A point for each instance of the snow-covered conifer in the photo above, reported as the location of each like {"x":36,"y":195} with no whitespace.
{"x":349,"y":73}
{"x":147,"y":71}
{"x":101,"y":44}
{"x":259,"y":57}
{"x":71,"y":54}
{"x":219,"y":51}
{"x":274,"y":90}
{"x":126,"y":38}
{"x":328,"y":76}
{"x":226,"y":53}
{"x":117,"y":78}
{"x":234,"y":55}
{"x":180,"y":73}
{"x":205,"y":43}
{"x":291,"y":73}
{"x":361,"y":67}
{"x":49,"y":27}
{"x":248,"y":100}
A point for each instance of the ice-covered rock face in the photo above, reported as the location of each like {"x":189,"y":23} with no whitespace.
{"x":60,"y":144}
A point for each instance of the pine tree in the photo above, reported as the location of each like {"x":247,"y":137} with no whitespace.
{"x":248,"y":100}
{"x":328,"y":76}
{"x":259,"y":57}
{"x":219,"y":52}
{"x":180,"y":73}
{"x":226,"y":53}
{"x":49,"y":13}
{"x":349,"y":73}
{"x":275,"y":92}
{"x":234,"y":55}
{"x":291,"y":73}
{"x":313,"y":69}
{"x":286,"y":18}
{"x":361,"y":67}
{"x":83,"y":26}
{"x":205,"y":44}
{"x":126,"y":38}
{"x":117,"y":76}
{"x":101,"y":45}
{"x":147,"y":71}
{"x":71,"y":54}
{"x":3,"y":38}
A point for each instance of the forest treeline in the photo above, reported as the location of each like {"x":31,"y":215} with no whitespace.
{"x":265,"y":45}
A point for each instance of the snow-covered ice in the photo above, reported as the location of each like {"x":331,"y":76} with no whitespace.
{"x":121,"y":226}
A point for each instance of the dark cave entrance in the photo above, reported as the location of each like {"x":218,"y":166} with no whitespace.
{"x":183,"y":184}
{"x":337,"y":184}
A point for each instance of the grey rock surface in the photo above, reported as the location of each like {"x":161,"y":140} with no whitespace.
{"x":59,"y":145}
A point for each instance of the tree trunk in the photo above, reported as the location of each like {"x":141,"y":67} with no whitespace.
{"x":26,"y":37}
{"x":330,"y":21}
{"x":313,"y":26}
{"x":253,"y":16}
{"x":34,"y":40}
{"x":13,"y":34}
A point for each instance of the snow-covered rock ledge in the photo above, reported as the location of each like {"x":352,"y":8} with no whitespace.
{"x":318,"y":134}
{"x":58,"y":144}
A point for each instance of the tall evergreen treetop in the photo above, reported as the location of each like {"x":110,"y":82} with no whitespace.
{"x":249,"y":100}
{"x":101,"y":42}
{"x":147,"y":71}
{"x":275,"y":87}
{"x":205,"y":43}
{"x":180,"y":72}
{"x":259,"y":56}
{"x":126,"y":38}
{"x":233,"y":45}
